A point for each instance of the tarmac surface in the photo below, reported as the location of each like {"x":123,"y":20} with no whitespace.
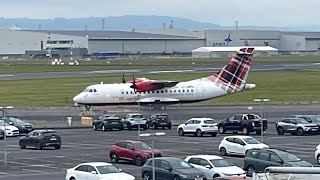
{"x":86,"y":145}
{"x":42,"y":75}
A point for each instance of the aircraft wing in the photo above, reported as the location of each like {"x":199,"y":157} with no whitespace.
{"x":161,"y":99}
{"x":164,"y":83}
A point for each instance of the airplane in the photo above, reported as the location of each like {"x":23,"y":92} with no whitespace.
{"x":142,"y":91}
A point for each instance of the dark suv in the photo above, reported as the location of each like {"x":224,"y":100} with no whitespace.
{"x":41,"y":139}
{"x":159,"y":120}
{"x":257,"y":160}
{"x":107,"y":122}
{"x":135,"y":151}
{"x":21,"y":125}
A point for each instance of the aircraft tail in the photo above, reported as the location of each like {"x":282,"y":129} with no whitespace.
{"x":233,"y":76}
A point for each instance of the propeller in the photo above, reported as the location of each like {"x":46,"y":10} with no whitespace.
{"x":123,"y":79}
{"x":134,"y":86}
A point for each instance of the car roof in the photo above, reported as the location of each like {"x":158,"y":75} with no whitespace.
{"x":303,"y":115}
{"x":275,"y":150}
{"x":293,"y":118}
{"x":130,"y":141}
{"x":95,"y":163}
{"x":237,"y":137}
{"x":134,"y":114}
{"x":207,"y":157}
{"x":159,"y":114}
{"x":201,"y":118}
{"x":168,"y":158}
{"x":44,"y":130}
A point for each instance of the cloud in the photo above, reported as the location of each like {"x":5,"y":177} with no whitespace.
{"x":248,"y":12}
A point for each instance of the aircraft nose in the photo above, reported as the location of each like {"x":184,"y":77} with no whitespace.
{"x":77,"y":98}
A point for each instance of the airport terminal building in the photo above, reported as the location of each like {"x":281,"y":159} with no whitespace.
{"x":155,"y":42}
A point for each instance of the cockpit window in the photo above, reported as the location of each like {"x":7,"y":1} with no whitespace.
{"x":86,"y":90}
{"x":90,"y":90}
{"x":94,"y":90}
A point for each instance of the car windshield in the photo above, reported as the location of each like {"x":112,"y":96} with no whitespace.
{"x":107,"y":169}
{"x":162,"y":117}
{"x":302,"y":121}
{"x":220,"y":163}
{"x":315,"y":118}
{"x":49,"y":133}
{"x":209,"y":121}
{"x":2,"y":123}
{"x":179,"y":164}
{"x":250,"y":140}
{"x":137,"y":116}
{"x":142,"y":146}
{"x":18,"y":121}
{"x":287,"y":157}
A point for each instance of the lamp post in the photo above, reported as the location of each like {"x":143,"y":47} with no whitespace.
{"x":152,"y":146}
{"x":139,"y":117}
{"x":3,"y":109}
{"x":262,"y":100}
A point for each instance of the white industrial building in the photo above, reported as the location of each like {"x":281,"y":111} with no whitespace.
{"x":153,"y":41}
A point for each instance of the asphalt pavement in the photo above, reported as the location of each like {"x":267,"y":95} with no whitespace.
{"x":86,"y":145}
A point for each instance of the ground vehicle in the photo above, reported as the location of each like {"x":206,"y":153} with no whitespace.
{"x":317,"y":154}
{"x":296,"y":126}
{"x":135,"y":151}
{"x":159,"y":120}
{"x":198,"y":127}
{"x":21,"y":125}
{"x":239,"y":145}
{"x":96,"y":171}
{"x":246,"y":123}
{"x":167,"y":168}
{"x":41,"y":139}
{"x":259,"y":159}
{"x":107,"y":122}
{"x":133,"y":120}
{"x":1,"y":134}
{"x":9,"y":129}
{"x":314,"y":119}
{"x":214,"y":166}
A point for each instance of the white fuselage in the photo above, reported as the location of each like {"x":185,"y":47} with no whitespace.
{"x":189,"y":91}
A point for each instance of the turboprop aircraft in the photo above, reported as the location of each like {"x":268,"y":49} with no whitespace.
{"x":230,"y":79}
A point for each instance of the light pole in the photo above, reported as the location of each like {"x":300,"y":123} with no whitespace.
{"x":3,"y":109}
{"x":152,"y":146}
{"x":262,"y":100}
{"x":139,"y":117}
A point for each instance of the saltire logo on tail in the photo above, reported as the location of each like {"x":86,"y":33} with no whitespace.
{"x":233,"y":76}
{"x":228,"y":39}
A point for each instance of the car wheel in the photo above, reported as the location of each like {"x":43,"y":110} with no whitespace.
{"x":215,"y":176}
{"x":250,"y":171}
{"x":258,"y":132}
{"x":245,"y":130}
{"x":154,"y":126}
{"x":72,"y":178}
{"x":213,"y":134}
{"x":38,"y":146}
{"x":120,"y":129}
{"x":146,"y":176}
{"x":299,"y":131}
{"x":199,"y":133}
{"x":223,"y":151}
{"x":104,"y":128}
{"x":22,"y":145}
{"x":114,"y":158}
{"x":318,"y":159}
{"x":222,"y":130}
{"x":57,"y":147}
{"x":169,"y":126}
{"x":175,"y":178}
{"x":94,"y":127}
{"x":138,"y":161}
{"x":129,"y":126}
{"x":180,"y":132}
{"x":280,"y":131}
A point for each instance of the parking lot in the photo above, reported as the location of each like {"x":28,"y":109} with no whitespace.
{"x":86,"y":145}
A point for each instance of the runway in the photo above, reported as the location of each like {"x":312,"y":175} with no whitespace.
{"x":44,"y":75}
{"x":86,"y":145}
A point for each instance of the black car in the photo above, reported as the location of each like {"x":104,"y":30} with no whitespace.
{"x":107,"y":122}
{"x":159,"y":120}
{"x":257,"y":160}
{"x":41,"y":139}
{"x":21,"y":125}
{"x":171,"y":168}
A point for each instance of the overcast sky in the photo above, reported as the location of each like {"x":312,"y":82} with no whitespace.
{"x":223,"y":12}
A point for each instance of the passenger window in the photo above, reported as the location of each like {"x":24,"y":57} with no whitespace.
{"x":127,"y":92}
{"x":174,"y":91}
{"x":131,"y":92}
{"x":237,"y":117}
{"x":90,"y":90}
{"x":83,"y":168}
{"x":245,"y":118}
{"x":293,"y":121}
{"x":164,"y":165}
{"x":179,"y":90}
{"x":204,"y":162}
{"x":189,"y":122}
{"x":264,"y":156}
{"x":286,"y":121}
{"x":166,"y":91}
{"x":254,"y":153}
{"x":231,"y":118}
{"x":230,"y":140}
{"x":170,"y":91}
{"x":129,"y":146}
{"x":157,"y":91}
{"x":90,"y":169}
{"x":196,"y":122}
{"x":238,"y":141}
{"x":122,"y":92}
{"x":187,"y":90}
{"x":35,"y":134}
{"x":161,"y":91}
{"x":194,"y":161}
{"x":182,"y":90}
{"x":275,"y":158}
{"x":191,"y":90}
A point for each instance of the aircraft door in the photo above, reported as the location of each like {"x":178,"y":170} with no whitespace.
{"x":200,"y":91}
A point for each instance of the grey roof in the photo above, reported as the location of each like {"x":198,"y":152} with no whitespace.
{"x":308,"y":35}
{"x":113,"y":34}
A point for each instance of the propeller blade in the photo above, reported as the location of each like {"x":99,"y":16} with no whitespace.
{"x":134,"y":83}
{"x":123,"y":79}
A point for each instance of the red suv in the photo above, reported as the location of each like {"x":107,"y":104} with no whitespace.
{"x":135,"y":151}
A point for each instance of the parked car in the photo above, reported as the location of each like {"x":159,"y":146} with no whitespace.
{"x":314,"y":119}
{"x":257,"y":160}
{"x":215,"y":166}
{"x":1,"y":133}
{"x":133,"y":120}
{"x":171,"y":168}
{"x":135,"y":151}
{"x":296,"y":126}
{"x":239,"y":145}
{"x":198,"y":127}
{"x":41,"y":139}
{"x":107,"y":122}
{"x":159,"y":120}
{"x":21,"y":125}
{"x":317,"y":154}
{"x":95,"y":171}
{"x":246,"y":123}
{"x":9,"y":129}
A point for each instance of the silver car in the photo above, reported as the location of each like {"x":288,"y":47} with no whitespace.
{"x":134,"y":120}
{"x":296,"y":126}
